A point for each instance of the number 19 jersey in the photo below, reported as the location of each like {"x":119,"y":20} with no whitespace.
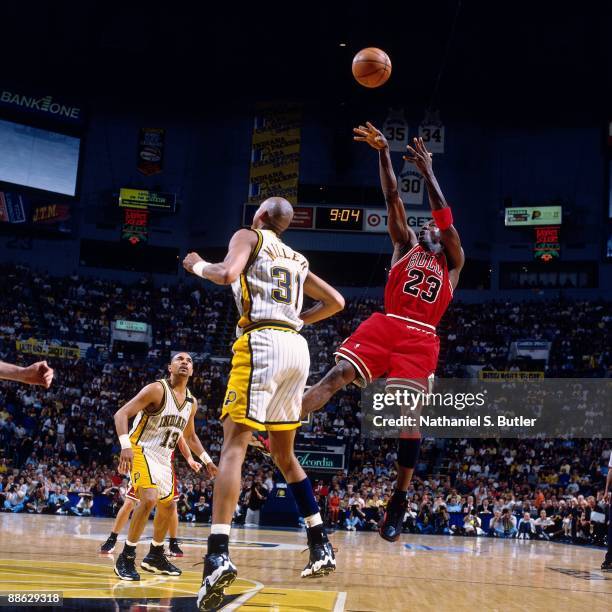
{"x":270,"y":289}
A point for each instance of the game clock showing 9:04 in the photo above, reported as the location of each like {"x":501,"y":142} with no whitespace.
{"x":340,"y":219}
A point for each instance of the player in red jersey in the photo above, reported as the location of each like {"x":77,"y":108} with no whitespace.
{"x":401,"y":343}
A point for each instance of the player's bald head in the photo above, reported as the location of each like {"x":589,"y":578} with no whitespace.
{"x":275,"y":213}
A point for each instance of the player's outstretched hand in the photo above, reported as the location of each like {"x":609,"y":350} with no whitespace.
{"x":212,"y":469}
{"x":368,"y":133}
{"x":191,"y":260}
{"x":419,"y":156}
{"x":126,"y":459}
{"x":196,"y":466}
{"x":38,"y":373}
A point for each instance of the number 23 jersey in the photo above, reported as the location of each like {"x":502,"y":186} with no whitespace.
{"x":270,"y":289}
{"x":158,"y":433}
{"x":419,"y":287}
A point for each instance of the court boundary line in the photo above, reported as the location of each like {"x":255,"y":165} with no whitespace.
{"x":340,"y":602}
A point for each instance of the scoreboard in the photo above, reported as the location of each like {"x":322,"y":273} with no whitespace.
{"x":340,"y":218}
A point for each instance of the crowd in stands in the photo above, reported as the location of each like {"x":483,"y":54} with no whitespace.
{"x":58,"y":446}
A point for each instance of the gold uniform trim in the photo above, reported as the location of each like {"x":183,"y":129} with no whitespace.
{"x":135,"y":437}
{"x":237,"y":400}
{"x":162,"y":382}
{"x":247,"y":296}
{"x":186,"y":401}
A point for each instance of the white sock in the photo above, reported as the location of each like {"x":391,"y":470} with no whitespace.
{"x":156,"y":543}
{"x":131,"y":543}
{"x":220,"y":528}
{"x":313,"y":520}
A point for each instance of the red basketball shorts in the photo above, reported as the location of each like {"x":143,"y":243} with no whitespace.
{"x":403,"y":350}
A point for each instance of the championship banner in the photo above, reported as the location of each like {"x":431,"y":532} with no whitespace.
{"x":432,"y":132}
{"x":547,"y":243}
{"x":12,"y":208}
{"x":275,"y":154}
{"x":151,"y":150}
{"x":135,"y":228}
{"x":395,"y":130}
{"x":43,"y":348}
{"x":410,"y":185}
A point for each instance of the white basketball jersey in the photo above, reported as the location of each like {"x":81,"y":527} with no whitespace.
{"x":160,"y":432}
{"x":270,"y":289}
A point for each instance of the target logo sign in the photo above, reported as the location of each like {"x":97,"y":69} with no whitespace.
{"x":374,"y":220}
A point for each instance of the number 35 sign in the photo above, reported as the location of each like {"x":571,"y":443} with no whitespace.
{"x":431,"y":131}
{"x":395,"y":130}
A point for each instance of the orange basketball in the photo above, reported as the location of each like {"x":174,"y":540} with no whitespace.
{"x":371,"y":67}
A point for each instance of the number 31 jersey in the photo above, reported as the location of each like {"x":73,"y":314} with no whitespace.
{"x":269,"y":292}
{"x":419,"y":287}
{"x":158,"y":433}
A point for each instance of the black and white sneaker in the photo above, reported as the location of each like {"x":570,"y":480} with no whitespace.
{"x":157,"y":563}
{"x":108,"y":546}
{"x":393,"y":521}
{"x":125,"y":567}
{"x":321,"y":562}
{"x":606,"y":566}
{"x":174,"y":550}
{"x":219,"y":573}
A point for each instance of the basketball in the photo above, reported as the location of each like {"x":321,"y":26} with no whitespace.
{"x":371,"y":67}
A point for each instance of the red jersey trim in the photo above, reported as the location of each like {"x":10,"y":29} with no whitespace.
{"x":366,"y":375}
{"x":406,"y":255}
{"x":430,"y":327}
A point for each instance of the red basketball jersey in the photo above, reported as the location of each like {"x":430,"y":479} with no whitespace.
{"x":418,"y":287}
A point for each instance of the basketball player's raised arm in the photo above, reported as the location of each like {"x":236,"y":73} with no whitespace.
{"x":402,"y":236}
{"x":421,"y":158}
{"x":329,"y":301}
{"x":149,"y":398}
{"x":193,"y":442}
{"x":227,"y":271}
{"x":38,"y":373}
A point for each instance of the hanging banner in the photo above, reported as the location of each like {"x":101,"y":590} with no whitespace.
{"x":431,"y":131}
{"x":547,"y":243}
{"x":275,"y":154}
{"x":395,"y":130}
{"x":135,"y":229}
{"x":151,"y":150}
{"x":12,"y":208}
{"x":410,"y":185}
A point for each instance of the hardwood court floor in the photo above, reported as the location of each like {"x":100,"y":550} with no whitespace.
{"x":60,"y":553}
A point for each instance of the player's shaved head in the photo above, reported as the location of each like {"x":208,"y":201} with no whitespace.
{"x":274,"y":213}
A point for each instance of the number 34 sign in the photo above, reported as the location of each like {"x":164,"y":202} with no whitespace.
{"x":431,"y":131}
